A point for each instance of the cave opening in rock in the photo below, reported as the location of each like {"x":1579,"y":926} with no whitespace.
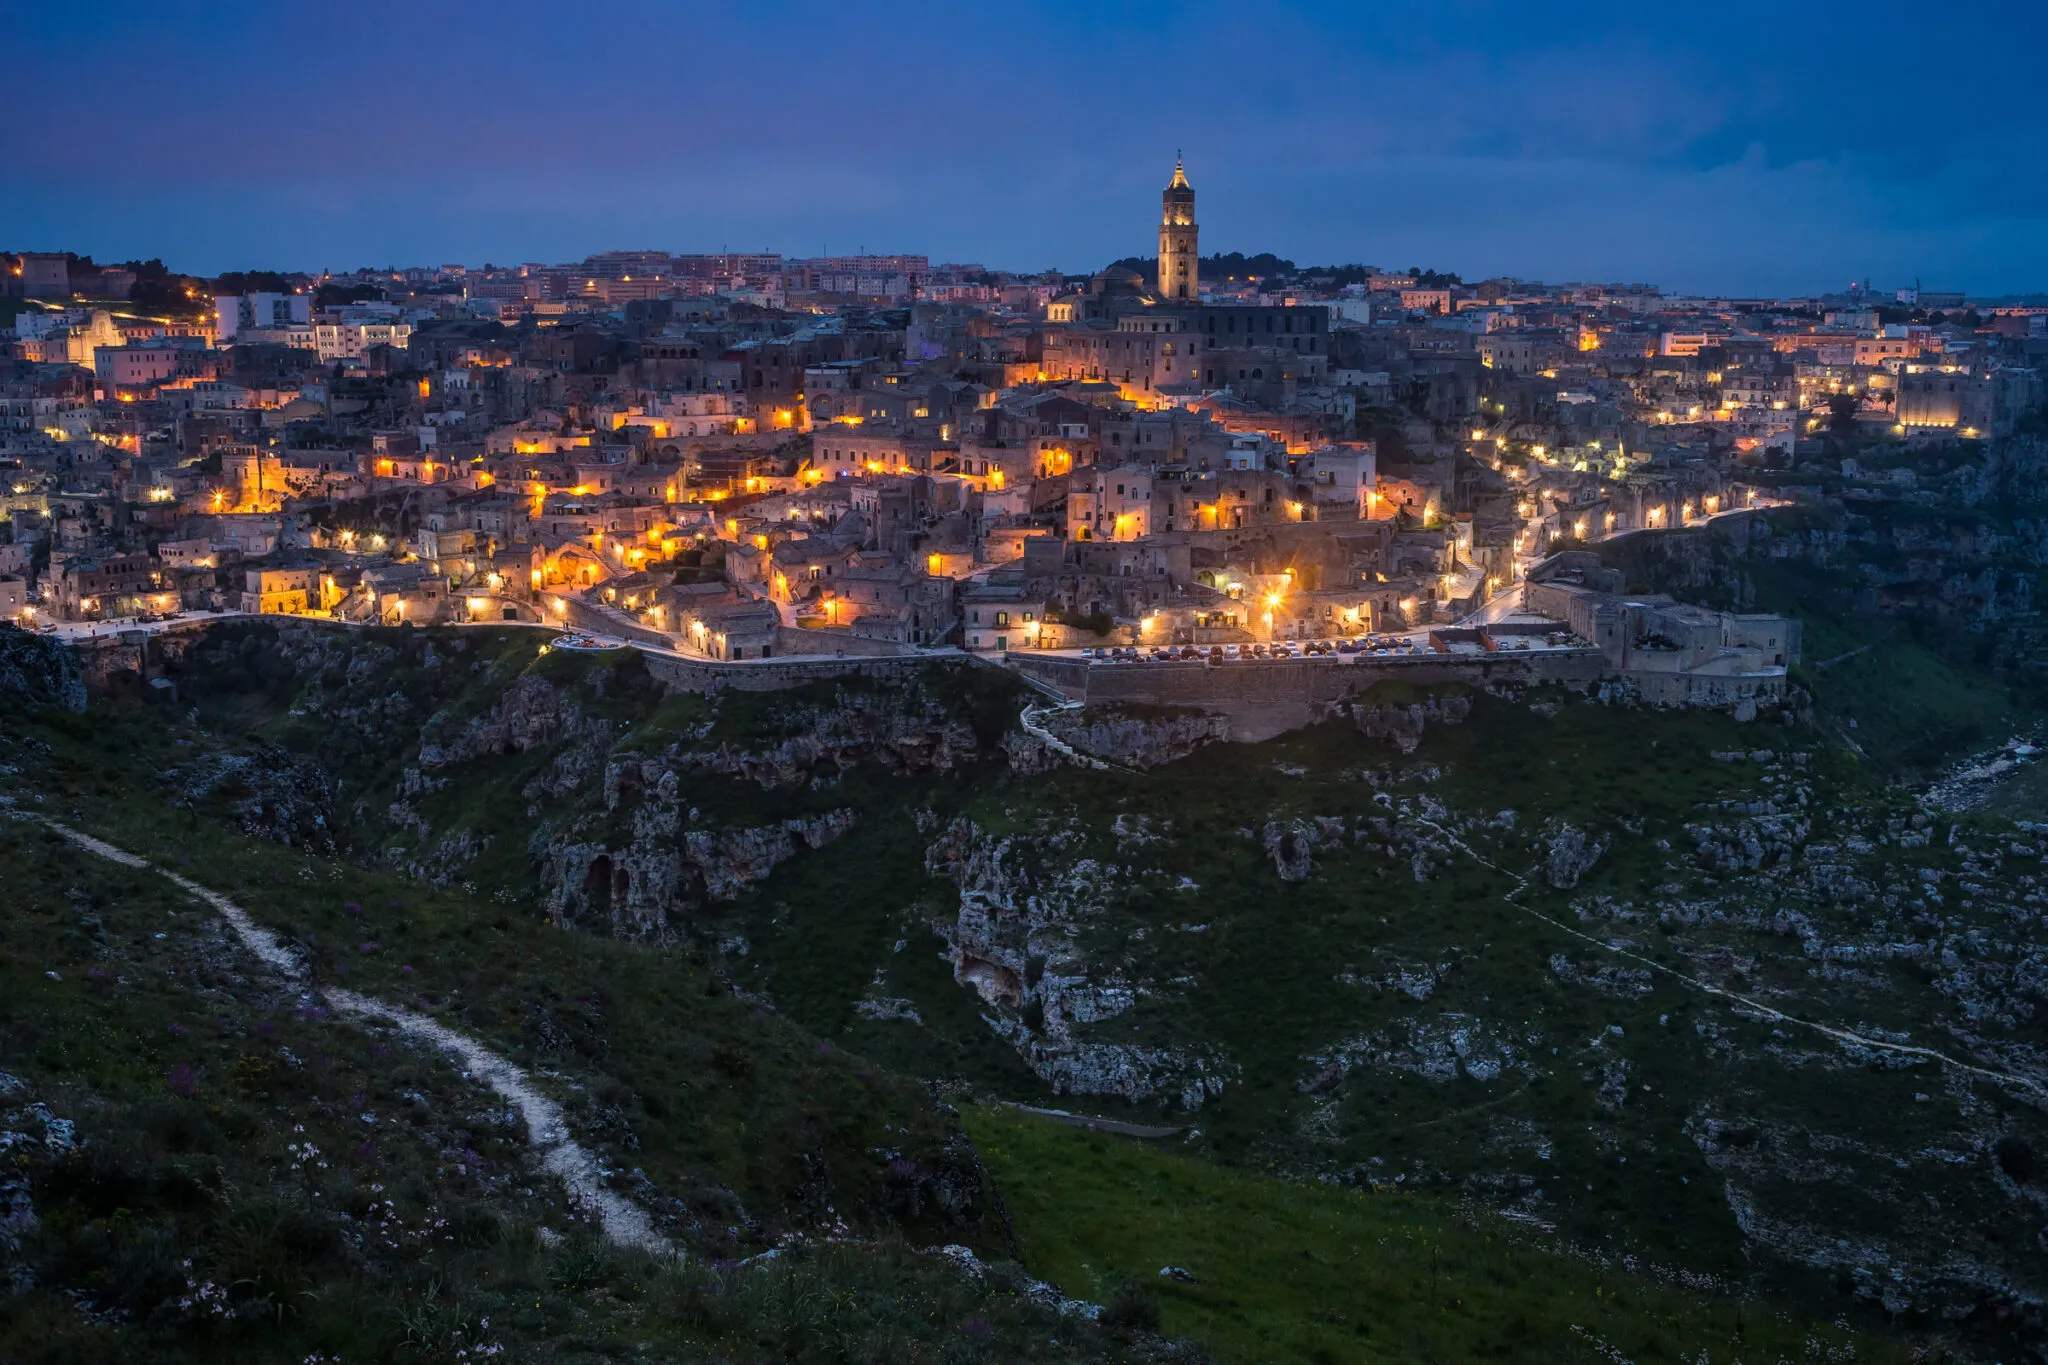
{"x":597,"y":885}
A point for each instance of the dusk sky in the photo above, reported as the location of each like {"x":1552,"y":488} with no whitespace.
{"x":1749,"y":148}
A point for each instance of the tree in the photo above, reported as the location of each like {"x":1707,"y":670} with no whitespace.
{"x":1842,"y":409}
{"x":334,"y":295}
{"x":252,"y":282}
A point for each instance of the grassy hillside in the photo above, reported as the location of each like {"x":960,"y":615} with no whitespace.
{"x":1408,"y":1007}
{"x":216,"y":1169}
{"x":1284,"y":1272}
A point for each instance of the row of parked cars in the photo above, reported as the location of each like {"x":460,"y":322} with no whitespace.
{"x":1377,"y":646}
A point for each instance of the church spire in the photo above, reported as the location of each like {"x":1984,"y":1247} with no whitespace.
{"x":1178,"y":255}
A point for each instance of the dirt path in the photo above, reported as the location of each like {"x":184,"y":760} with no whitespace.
{"x":1838,"y":1034}
{"x":624,"y":1222}
{"x":1120,"y":1126}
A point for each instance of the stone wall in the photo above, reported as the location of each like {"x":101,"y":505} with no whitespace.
{"x":836,"y":640}
{"x":1270,"y":682}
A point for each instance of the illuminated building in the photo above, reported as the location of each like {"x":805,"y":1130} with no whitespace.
{"x":1179,"y":258}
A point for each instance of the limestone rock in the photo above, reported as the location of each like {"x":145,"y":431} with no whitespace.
{"x":35,"y":671}
{"x":1402,"y":726}
{"x":1138,"y":742}
{"x":1571,"y":857}
{"x":273,"y":794}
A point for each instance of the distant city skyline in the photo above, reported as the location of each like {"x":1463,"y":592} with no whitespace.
{"x":1587,"y":142}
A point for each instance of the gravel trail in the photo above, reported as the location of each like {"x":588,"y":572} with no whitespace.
{"x":624,"y":1222}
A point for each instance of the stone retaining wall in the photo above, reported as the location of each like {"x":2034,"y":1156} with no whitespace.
{"x":835,"y":640}
{"x":1302,"y":681}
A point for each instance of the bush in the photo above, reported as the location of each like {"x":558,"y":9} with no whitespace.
{"x":1134,"y":1309}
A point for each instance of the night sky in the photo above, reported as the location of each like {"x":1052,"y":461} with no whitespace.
{"x":1744,"y":148}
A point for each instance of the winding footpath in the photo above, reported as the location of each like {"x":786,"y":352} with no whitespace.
{"x":624,"y":1223}
{"x":1841,"y":1035}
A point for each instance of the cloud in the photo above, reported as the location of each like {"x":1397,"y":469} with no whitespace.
{"x":1734,"y":151}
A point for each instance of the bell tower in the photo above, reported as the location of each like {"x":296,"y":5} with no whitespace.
{"x":1178,"y":252}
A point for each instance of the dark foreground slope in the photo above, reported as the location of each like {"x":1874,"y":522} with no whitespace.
{"x":1607,"y":1010}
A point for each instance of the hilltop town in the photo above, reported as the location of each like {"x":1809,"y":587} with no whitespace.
{"x":764,"y":720}
{"x":740,"y":458}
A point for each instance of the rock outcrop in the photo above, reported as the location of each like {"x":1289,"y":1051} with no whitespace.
{"x":634,"y":890}
{"x":904,"y":733}
{"x":1571,"y":855}
{"x":1138,"y":741}
{"x":1402,"y":726}
{"x":1292,"y":844}
{"x":35,"y":671}
{"x":274,"y":794}
{"x":1014,"y":941}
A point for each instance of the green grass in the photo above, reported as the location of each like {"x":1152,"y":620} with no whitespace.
{"x":1286,"y":1272}
{"x":192,"y":1077}
{"x":734,"y":1106}
{"x":735,"y":1113}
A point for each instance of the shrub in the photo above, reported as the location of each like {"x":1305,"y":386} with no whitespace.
{"x":1133,"y":1309}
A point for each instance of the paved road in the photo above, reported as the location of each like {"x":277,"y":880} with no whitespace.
{"x":71,"y":632}
{"x":1507,"y":603}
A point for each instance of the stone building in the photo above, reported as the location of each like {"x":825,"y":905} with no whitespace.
{"x":1179,"y":254}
